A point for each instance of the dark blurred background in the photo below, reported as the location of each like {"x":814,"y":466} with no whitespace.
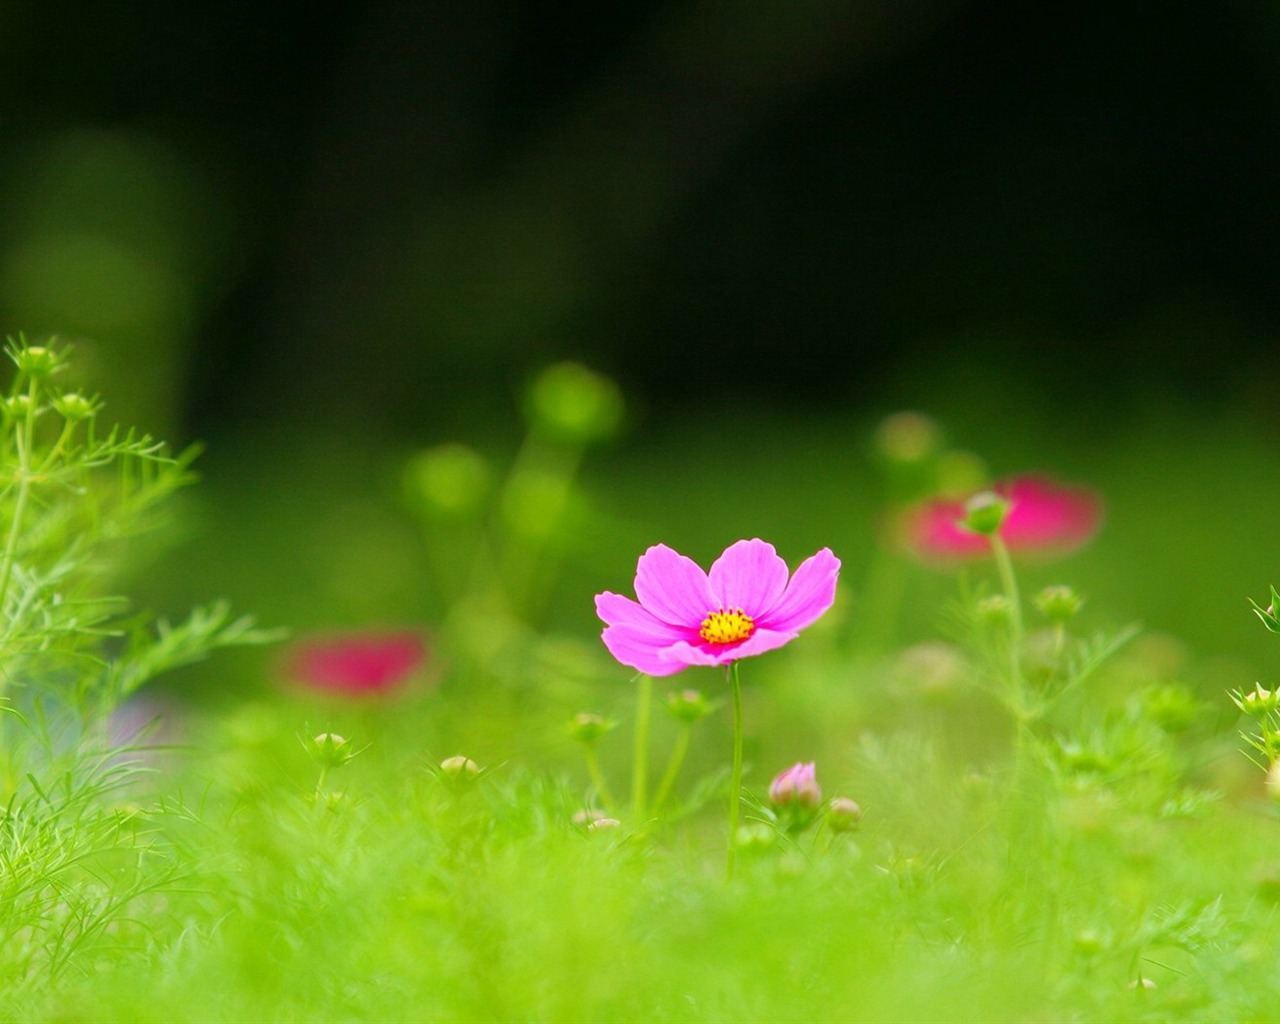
{"x":1053,"y":225}
{"x":389,"y":212}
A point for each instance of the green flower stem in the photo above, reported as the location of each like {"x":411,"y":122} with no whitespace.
{"x":735,"y":782}
{"x":881,"y":600}
{"x":1026,"y":811}
{"x":674,"y":763}
{"x":523,"y":563}
{"x":1004,"y":566}
{"x":597,"y":776}
{"x":640,"y":756}
{"x":24,"y":441}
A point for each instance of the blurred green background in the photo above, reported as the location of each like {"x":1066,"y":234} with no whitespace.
{"x":322,"y":239}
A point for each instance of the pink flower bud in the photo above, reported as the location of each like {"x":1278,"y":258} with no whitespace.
{"x":797,"y":786}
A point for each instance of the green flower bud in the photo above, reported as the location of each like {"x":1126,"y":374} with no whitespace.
{"x":1258,"y":702}
{"x":843,"y":814}
{"x":985,"y":513}
{"x":450,"y":481}
{"x":74,"y":407}
{"x":332,"y":750}
{"x":688,"y":705}
{"x":574,"y":403}
{"x":1058,"y":603}
{"x":459,"y":769}
{"x":588,"y":728}
{"x":907,"y":438}
{"x":17,"y":407}
{"x":37,"y":361}
{"x":994,"y":610}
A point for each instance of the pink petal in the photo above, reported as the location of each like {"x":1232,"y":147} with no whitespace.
{"x":358,"y":663}
{"x":640,"y":651}
{"x":760,"y":641}
{"x":673,"y":587}
{"x":934,"y":530}
{"x":749,"y":575}
{"x":810,"y":592}
{"x":618,"y":610}
{"x":1045,"y":515}
{"x":1044,"y":518}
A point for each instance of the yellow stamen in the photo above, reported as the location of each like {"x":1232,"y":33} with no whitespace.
{"x":726,"y":627}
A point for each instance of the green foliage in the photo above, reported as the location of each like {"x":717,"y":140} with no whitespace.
{"x":81,"y":853}
{"x":1038,"y":820}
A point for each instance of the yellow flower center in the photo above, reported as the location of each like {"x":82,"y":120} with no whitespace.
{"x":726,"y":627}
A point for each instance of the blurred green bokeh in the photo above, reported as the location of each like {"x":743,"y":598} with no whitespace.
{"x":772,"y":225}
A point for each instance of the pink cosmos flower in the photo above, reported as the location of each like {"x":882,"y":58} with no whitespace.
{"x":1043,"y":518}
{"x":745,"y":605}
{"x":357,"y":664}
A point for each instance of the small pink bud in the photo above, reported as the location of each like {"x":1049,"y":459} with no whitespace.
{"x":797,"y":786}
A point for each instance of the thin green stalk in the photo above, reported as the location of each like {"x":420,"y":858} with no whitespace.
{"x":735,"y":782}
{"x":24,"y":441}
{"x":524,"y":555}
{"x":880,"y":601}
{"x":597,"y":776}
{"x":640,"y":756}
{"x":674,"y":763}
{"x":1004,"y":566}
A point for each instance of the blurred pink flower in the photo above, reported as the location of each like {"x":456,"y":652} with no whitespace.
{"x":357,"y":664}
{"x":746,"y":605}
{"x":1044,"y":518}
{"x":797,"y":785}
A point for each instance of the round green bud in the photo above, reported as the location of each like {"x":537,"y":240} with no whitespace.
{"x":331,"y":750}
{"x":450,"y":481}
{"x":907,"y":438}
{"x":1058,"y":603}
{"x":37,"y":361}
{"x":74,"y":407}
{"x":574,"y":403}
{"x":588,"y":728}
{"x":1258,"y":702}
{"x":995,"y":609}
{"x":843,"y":814}
{"x":688,"y":705}
{"x":985,"y":513}
{"x":17,"y":407}
{"x":459,"y":768}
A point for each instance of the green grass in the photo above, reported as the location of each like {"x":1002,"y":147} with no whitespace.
{"x":1109,"y":861}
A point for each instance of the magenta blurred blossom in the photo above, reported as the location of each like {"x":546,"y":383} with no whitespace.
{"x":357,"y":664}
{"x":798,"y":785}
{"x":1044,"y":518}
{"x":745,"y":605}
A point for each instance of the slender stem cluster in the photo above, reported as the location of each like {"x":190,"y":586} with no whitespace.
{"x":735,"y":781}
